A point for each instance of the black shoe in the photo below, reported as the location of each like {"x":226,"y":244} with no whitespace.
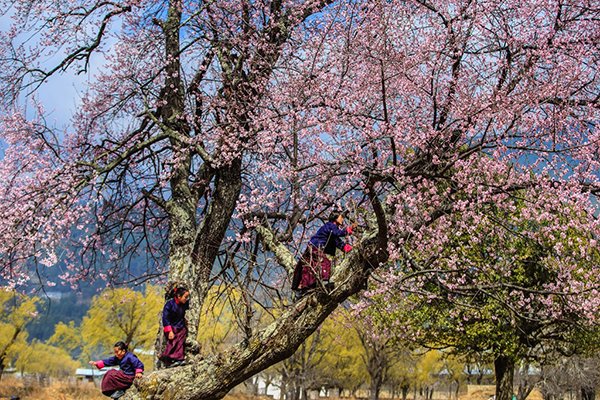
{"x":165,"y":362}
{"x":297,"y":295}
{"x":300,"y":293}
{"x":117,"y":394}
{"x":177,"y":363}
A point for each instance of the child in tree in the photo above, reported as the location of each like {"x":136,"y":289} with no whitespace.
{"x":116,"y":381}
{"x":315,"y":263}
{"x":175,"y":326}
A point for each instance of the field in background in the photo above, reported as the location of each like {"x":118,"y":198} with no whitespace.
{"x":88,"y":391}
{"x":57,"y":390}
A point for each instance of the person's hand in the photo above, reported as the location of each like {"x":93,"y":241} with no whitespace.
{"x":351,"y":228}
{"x":347,"y":248}
{"x":138,"y":375}
{"x":92,"y":363}
{"x":171,"y":335}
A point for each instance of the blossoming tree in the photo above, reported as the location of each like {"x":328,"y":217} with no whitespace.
{"x":505,"y":299}
{"x":216,"y":135}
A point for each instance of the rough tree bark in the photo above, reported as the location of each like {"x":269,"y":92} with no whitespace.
{"x":213,"y":377}
{"x":505,"y":369}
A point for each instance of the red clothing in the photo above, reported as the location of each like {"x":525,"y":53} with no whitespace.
{"x":175,"y":349}
{"x":115,"y":380}
{"x":315,"y":266}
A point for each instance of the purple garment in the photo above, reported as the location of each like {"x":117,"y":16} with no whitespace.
{"x":328,"y":237}
{"x":174,"y":314}
{"x":115,"y":380}
{"x":315,"y":267}
{"x":129,"y":364}
{"x":175,"y":349}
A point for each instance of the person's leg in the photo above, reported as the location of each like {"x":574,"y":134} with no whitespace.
{"x":326,"y":266}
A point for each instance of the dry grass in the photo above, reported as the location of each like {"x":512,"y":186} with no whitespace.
{"x":61,"y":390}
{"x":56,"y":390}
{"x":242,"y":396}
{"x":484,"y":392}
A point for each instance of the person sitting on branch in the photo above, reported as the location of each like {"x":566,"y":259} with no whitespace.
{"x":116,"y":381}
{"x":315,"y":264}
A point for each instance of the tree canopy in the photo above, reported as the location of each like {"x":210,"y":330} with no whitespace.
{"x":16,"y":312}
{"x":214,"y":137}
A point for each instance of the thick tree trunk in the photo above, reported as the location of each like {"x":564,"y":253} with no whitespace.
{"x":505,"y":368}
{"x":213,"y":377}
{"x":377,"y":365}
{"x":210,"y":235}
{"x":194,"y":249}
{"x":375,"y":389}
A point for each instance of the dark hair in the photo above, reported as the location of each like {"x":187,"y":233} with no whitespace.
{"x":175,"y":289}
{"x":121,"y":345}
{"x":179,"y":291}
{"x":334,"y":215}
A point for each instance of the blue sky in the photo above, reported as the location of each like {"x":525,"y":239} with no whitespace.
{"x":61,"y":94}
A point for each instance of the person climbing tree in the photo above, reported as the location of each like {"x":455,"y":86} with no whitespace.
{"x":116,"y":381}
{"x":315,"y":264}
{"x":175,"y":326}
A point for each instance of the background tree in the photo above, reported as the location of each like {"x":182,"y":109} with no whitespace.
{"x":491,"y":292}
{"x":478,"y":367}
{"x":343,"y":365}
{"x":378,"y":351}
{"x":303,"y":370}
{"x":69,"y":338}
{"x":454,"y":373}
{"x":402,"y":377}
{"x":16,"y":311}
{"x":46,"y":361}
{"x":427,"y":370}
{"x":221,"y":325}
{"x":331,"y":358}
{"x":122,"y":314}
{"x":377,"y":361}
{"x":217,"y":135}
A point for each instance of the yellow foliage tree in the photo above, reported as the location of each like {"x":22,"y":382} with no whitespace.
{"x":343,"y":364}
{"x":330,"y":357}
{"x":427,"y":369}
{"x":16,"y":311}
{"x":67,"y":337}
{"x":46,"y":361}
{"x":402,"y":375}
{"x":121,"y":314}
{"x":221,"y":323}
{"x":454,"y":367}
